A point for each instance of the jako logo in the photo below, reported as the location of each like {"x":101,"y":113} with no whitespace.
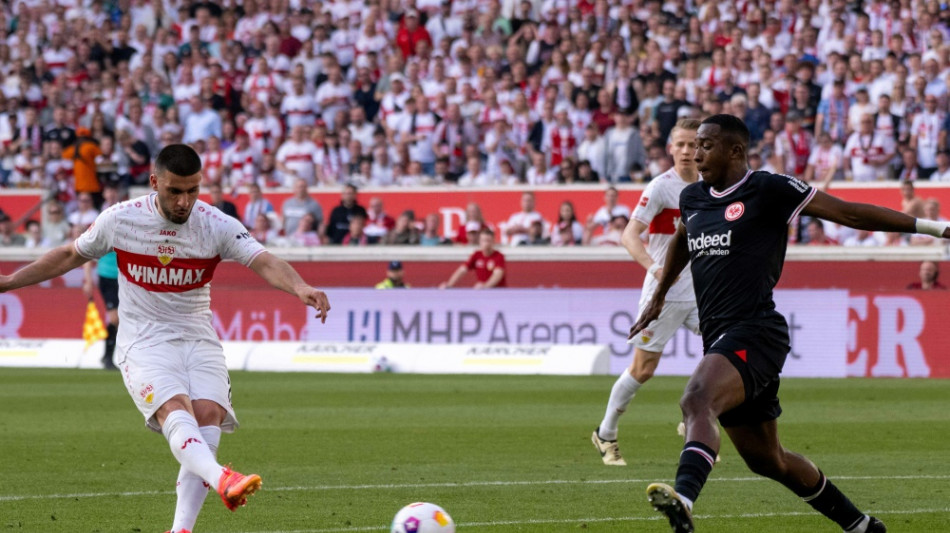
{"x":189,"y":441}
{"x":707,"y":241}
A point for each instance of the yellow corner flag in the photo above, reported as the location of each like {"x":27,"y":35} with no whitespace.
{"x":92,"y":328}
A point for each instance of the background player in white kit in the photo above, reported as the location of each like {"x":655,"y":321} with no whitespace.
{"x":168,"y":244}
{"x":658,"y":212}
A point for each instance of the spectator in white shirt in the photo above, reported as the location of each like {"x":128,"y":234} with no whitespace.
{"x":625,"y":150}
{"x":868,"y":153}
{"x":333,"y":96}
{"x":539,"y":173}
{"x":924,"y":132}
{"x":942,"y":173}
{"x":298,"y":108}
{"x":415,"y":130}
{"x":360,"y":129}
{"x":610,"y":209}
{"x":519,"y":224}
{"x":592,"y":148}
{"x":85,"y":213}
{"x":295,"y":158}
{"x":473,"y":176}
{"x":202,"y":122}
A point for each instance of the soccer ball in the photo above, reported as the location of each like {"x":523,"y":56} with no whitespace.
{"x":421,"y":517}
{"x":381,"y":364}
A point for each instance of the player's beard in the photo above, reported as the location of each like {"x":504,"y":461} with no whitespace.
{"x":178,"y":219}
{"x":175,"y":216}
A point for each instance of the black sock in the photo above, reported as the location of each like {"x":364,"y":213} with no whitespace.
{"x":696,"y":462}
{"x":112,"y":331}
{"x":829,"y":501}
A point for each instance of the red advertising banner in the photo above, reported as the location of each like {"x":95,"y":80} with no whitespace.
{"x":499,"y":204}
{"x":899,"y":334}
{"x":856,"y":276}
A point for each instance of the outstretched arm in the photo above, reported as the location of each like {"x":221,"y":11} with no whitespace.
{"x":871,"y":217}
{"x":53,"y":263}
{"x":282,"y":276}
{"x":677,"y":257}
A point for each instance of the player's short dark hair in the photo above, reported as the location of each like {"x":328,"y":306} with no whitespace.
{"x":732,"y":127}
{"x":179,"y":159}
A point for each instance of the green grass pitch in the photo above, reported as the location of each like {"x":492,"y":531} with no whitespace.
{"x":342,"y":453}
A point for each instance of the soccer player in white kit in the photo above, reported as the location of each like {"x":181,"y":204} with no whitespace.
{"x":658,"y":211}
{"x":168,"y":244}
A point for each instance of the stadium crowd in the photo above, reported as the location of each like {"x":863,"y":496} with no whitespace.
{"x":410,"y":93}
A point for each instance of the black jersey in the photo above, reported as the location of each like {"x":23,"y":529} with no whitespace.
{"x":737,"y":242}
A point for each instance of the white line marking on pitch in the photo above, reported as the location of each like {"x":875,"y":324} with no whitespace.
{"x":607,"y":519}
{"x":397,"y":486}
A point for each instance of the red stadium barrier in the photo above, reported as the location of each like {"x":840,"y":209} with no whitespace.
{"x":499,"y":204}
{"x":856,"y":276}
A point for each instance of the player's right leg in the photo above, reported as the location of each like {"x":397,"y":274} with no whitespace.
{"x":759,"y":446}
{"x":187,"y":443}
{"x":210,"y":388}
{"x":180,"y":427}
{"x":191,"y":489}
{"x":624,"y":389}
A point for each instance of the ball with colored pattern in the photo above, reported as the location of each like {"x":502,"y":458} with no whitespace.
{"x":422,"y":517}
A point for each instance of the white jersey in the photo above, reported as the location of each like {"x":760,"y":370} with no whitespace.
{"x":300,"y":110}
{"x":865,"y":153}
{"x":299,"y":160}
{"x":926,"y":128}
{"x":166,"y":268}
{"x":659,"y":208}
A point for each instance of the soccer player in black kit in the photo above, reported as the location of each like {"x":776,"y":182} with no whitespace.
{"x":734,"y":231}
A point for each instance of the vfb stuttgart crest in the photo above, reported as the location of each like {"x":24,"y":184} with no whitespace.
{"x":734,"y":211}
{"x":166,"y":253}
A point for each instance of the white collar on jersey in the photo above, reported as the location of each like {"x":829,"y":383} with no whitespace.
{"x":729,"y":191}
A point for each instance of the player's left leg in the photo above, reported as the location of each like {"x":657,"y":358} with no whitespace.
{"x":648,"y":350}
{"x":624,"y":389}
{"x":714,"y":388}
{"x":758,"y":444}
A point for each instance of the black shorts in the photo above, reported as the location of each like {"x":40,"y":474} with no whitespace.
{"x":109,"y":288}
{"x":757,"y":348}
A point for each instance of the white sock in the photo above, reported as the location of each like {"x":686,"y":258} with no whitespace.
{"x":620,"y":395}
{"x":189,"y":447}
{"x":687,"y":502}
{"x":191,"y":489}
{"x":862,"y":526}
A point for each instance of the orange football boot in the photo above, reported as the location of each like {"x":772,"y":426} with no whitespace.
{"x":235,"y":487}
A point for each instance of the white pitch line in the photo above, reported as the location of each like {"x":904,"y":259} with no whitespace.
{"x":538,"y":521}
{"x":398,"y":486}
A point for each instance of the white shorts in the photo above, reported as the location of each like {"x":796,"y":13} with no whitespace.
{"x":154,"y":374}
{"x":654,"y":337}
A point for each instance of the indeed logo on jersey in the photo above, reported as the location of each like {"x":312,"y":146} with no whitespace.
{"x":165,"y":274}
{"x":710,"y":244}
